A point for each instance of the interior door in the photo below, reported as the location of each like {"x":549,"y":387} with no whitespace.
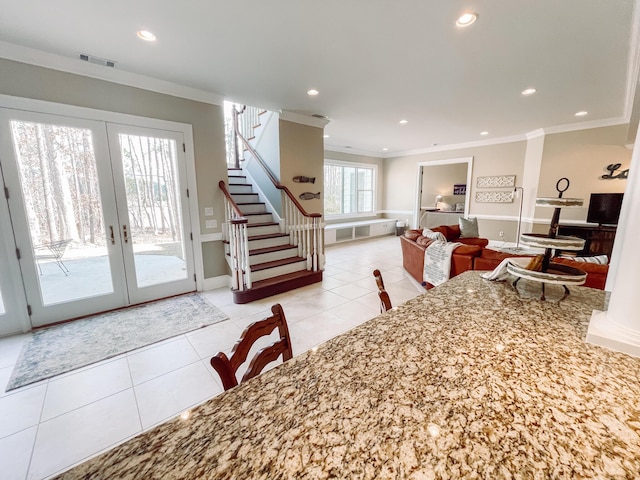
{"x":149,"y":171}
{"x":63,"y":208}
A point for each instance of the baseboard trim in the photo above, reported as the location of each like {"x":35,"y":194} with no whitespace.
{"x":216,"y":282}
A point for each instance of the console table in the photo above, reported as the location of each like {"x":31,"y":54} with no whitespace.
{"x":598,"y":239}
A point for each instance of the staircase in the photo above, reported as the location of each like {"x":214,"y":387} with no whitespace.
{"x":274,"y":259}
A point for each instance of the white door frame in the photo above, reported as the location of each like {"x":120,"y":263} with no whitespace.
{"x":448,"y":161}
{"x":40,"y":106}
{"x":15,"y":318}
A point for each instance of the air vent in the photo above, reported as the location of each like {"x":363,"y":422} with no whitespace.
{"x":97,"y":60}
{"x":317,"y":115}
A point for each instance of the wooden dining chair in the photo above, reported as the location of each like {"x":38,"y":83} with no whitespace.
{"x":227,"y":367}
{"x":385,"y":301}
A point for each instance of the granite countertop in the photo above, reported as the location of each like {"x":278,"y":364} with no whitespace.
{"x":470,"y":380}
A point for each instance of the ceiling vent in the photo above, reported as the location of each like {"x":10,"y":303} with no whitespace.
{"x":317,"y":115}
{"x":97,"y":60}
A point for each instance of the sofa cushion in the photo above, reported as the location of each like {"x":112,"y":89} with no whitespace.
{"x":480,"y":242}
{"x":450,"y":233}
{"x":474,"y":250}
{"x":412,"y":234}
{"x":599,"y":259}
{"x":468,"y":227}
{"x":424,"y":241}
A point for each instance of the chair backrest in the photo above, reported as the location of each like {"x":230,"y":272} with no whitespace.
{"x":227,"y":367}
{"x":385,"y":301}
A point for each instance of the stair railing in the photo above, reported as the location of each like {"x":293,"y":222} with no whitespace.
{"x":305,"y":230}
{"x":236,"y":235}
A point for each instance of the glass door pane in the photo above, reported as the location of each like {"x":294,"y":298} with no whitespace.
{"x":155,"y":220}
{"x":59,"y":181}
{"x":63,"y":187}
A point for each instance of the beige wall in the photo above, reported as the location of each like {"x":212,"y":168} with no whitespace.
{"x":380,"y":183}
{"x":500,"y":159}
{"x":302,"y":153}
{"x":582,"y":157}
{"x":22,"y":80}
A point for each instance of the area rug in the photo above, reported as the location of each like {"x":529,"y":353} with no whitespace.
{"x":63,"y":348}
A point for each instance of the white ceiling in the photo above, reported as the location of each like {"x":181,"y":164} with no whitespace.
{"x":374,"y":62}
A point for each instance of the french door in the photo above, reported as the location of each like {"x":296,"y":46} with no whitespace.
{"x":99,"y":213}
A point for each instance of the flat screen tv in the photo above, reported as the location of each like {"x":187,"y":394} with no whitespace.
{"x":604,"y":208}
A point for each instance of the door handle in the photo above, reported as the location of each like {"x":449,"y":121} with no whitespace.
{"x":125,"y":234}
{"x":113,"y":237}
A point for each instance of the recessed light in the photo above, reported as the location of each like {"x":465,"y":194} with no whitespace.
{"x":529,"y":91}
{"x":466,"y":19}
{"x":146,"y":35}
{"x":313,"y":92}
{"x":385,"y":149}
{"x":581,"y":113}
{"x":404,"y":122}
{"x":484,"y":133}
{"x":325,"y":136}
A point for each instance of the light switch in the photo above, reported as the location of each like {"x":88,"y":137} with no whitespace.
{"x":211,"y":223}
{"x":208,"y":212}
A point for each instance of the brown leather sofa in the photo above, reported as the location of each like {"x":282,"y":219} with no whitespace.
{"x":473,"y":256}
{"x":414,"y":244}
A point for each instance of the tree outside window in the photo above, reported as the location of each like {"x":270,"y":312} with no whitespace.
{"x":349,"y":189}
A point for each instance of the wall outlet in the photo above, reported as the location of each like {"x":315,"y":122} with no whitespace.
{"x":211,"y":223}
{"x":501,"y":234}
{"x":208,"y":212}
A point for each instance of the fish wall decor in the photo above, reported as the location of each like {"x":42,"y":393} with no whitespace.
{"x":301,"y":179}
{"x":308,"y":195}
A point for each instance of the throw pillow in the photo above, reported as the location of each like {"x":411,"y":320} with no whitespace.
{"x":599,"y":259}
{"x":468,"y":227}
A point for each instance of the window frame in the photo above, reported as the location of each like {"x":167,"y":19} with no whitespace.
{"x":356,"y":165}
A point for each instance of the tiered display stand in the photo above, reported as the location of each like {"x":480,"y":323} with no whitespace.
{"x":550,"y":272}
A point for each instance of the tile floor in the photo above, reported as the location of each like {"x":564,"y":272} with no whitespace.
{"x":47,"y":427}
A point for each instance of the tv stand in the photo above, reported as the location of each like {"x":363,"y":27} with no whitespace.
{"x":598,"y":239}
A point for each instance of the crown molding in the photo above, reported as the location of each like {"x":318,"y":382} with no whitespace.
{"x":40,"y":58}
{"x":353,"y":151}
{"x":458,"y":146}
{"x":295,"y":117}
{"x":573,"y":127}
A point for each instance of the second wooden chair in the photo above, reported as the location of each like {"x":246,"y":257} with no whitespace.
{"x":227,"y":367}
{"x":385,"y":301}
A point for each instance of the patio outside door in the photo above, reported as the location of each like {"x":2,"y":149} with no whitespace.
{"x":83,"y":250}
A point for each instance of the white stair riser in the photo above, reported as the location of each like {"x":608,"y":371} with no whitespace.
{"x":265,"y":230}
{"x":268,"y":242}
{"x":239,"y":189}
{"x":265,"y":218}
{"x":253,"y":208}
{"x":281,"y":270}
{"x":240,"y":198}
{"x":271,"y":256}
{"x":233,"y":180}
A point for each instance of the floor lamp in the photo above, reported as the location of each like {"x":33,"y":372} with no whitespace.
{"x":515,"y":190}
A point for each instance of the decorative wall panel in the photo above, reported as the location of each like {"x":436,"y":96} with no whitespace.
{"x":498,"y":181}
{"x":494,"y":197}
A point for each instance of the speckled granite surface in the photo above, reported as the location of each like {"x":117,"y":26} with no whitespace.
{"x":467,"y":381}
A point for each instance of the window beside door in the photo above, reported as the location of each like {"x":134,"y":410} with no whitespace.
{"x":349,"y":189}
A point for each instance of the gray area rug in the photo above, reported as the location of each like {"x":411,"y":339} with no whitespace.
{"x":63,"y":348}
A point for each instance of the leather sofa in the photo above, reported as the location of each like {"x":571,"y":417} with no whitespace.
{"x":473,"y":256}
{"x":414,"y":244}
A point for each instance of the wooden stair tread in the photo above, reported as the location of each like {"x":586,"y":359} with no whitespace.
{"x":248,"y":203}
{"x":262,"y":224}
{"x":267,"y":235}
{"x":277,"y":248}
{"x":276,"y":263}
{"x":256,"y":213}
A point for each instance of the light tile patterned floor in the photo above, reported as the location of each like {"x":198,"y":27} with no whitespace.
{"x":47,"y":427}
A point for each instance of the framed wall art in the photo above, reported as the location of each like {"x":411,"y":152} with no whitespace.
{"x":496,"y":181}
